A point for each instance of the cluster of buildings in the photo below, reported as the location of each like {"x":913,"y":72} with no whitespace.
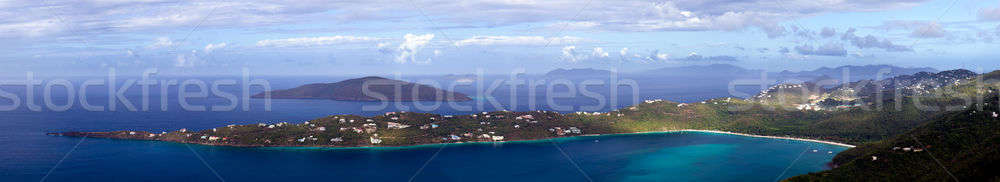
{"x":491,"y":137}
{"x":560,"y":131}
{"x":395,"y":125}
{"x":309,"y":138}
{"x":429,"y":126}
{"x":907,"y":149}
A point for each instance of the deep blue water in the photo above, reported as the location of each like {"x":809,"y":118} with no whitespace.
{"x":27,"y":154}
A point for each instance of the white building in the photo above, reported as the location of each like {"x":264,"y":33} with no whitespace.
{"x":394,"y":125}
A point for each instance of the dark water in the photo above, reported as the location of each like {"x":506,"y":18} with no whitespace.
{"x":27,"y":154}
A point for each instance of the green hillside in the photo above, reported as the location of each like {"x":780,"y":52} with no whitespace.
{"x":958,"y":146}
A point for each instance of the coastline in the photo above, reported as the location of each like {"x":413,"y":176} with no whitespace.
{"x":773,"y":137}
{"x":325,"y":147}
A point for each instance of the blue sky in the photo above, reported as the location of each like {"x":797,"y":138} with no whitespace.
{"x":494,"y":36}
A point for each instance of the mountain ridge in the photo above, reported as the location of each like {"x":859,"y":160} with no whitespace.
{"x":378,"y":89}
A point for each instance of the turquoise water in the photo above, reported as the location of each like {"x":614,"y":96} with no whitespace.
{"x":683,"y":156}
{"x":27,"y":154}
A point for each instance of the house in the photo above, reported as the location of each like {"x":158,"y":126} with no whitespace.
{"x":338,"y":139}
{"x":213,"y":138}
{"x":270,"y":126}
{"x":301,"y":140}
{"x":183,"y":130}
{"x":455,"y":137}
{"x":152,"y":135}
{"x":575,"y":130}
{"x":434,"y":126}
{"x":131,"y":133}
{"x":321,"y":128}
{"x":995,"y":115}
{"x":374,"y":140}
{"x":394,"y":125}
{"x":497,"y":138}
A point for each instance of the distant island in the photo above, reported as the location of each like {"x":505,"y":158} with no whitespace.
{"x":379,"y":89}
{"x":894,"y":138}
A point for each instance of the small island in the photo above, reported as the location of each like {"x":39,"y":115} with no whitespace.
{"x":378,"y":89}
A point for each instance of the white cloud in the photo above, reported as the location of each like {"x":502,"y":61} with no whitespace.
{"x":829,"y":49}
{"x":517,"y":40}
{"x":34,"y":28}
{"x":162,"y":42}
{"x":211,"y":47}
{"x":654,"y":56}
{"x":872,"y":42}
{"x":186,"y":60}
{"x":624,"y":51}
{"x":663,"y":56}
{"x":411,"y":46}
{"x":599,"y":52}
{"x":97,"y":18}
{"x":314,"y":41}
{"x":569,"y":53}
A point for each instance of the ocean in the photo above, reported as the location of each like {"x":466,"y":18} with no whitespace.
{"x":30,"y":155}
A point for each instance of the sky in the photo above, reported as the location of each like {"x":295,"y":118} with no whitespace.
{"x":373,"y":37}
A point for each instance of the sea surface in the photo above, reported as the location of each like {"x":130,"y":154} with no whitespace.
{"x":27,"y":154}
